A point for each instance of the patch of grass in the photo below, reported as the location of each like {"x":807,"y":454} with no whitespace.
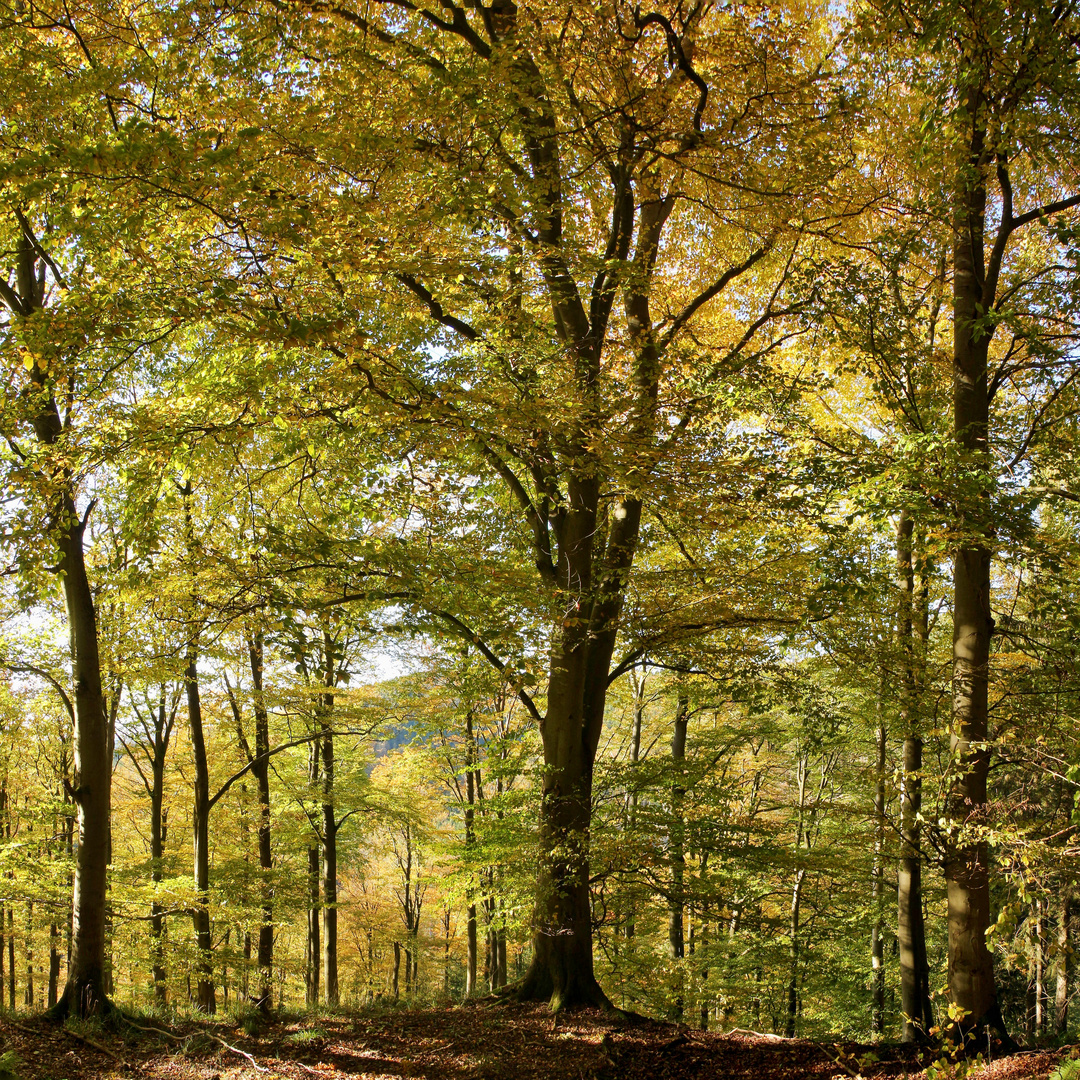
{"x":249,"y":1020}
{"x":305,"y":1036}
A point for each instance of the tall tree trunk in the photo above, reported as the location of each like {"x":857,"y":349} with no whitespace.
{"x":162,"y":734}
{"x":5,"y":832}
{"x":500,"y":946}
{"x":1038,"y":929}
{"x":677,"y":855}
{"x":877,"y":936}
{"x":260,"y":769}
{"x":84,"y":994}
{"x":446,"y":951}
{"x":635,"y":757}
{"x":470,"y":843}
{"x":313,"y":953}
{"x":912,"y":631}
{"x":967,"y":868}
{"x":397,"y":968}
{"x":330,"y":829}
{"x":1064,"y":964}
{"x":206,"y":994}
{"x":28,"y":988}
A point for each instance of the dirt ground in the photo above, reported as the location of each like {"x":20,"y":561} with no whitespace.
{"x":473,"y":1043}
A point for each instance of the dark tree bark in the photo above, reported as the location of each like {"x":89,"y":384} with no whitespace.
{"x":677,"y":854}
{"x":877,"y":889}
{"x":471,"y":775}
{"x":329,"y":828}
{"x":635,"y":756}
{"x":84,"y":994}
{"x":967,"y":861}
{"x":154,"y":750}
{"x":912,"y":632}
{"x":206,"y":994}
{"x":313,"y":953}
{"x":260,"y":769}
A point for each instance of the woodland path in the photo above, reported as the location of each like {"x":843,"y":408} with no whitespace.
{"x":475,"y":1043}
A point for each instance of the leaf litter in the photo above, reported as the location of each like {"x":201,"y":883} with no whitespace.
{"x":476,"y":1042}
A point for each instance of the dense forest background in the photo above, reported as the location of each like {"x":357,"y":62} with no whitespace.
{"x":578,"y":499}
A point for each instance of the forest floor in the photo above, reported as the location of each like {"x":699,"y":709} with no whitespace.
{"x":473,"y":1043}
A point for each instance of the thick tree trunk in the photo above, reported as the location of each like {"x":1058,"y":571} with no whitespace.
{"x":397,"y":968}
{"x":84,"y":994}
{"x":561,"y":970}
{"x":967,"y":861}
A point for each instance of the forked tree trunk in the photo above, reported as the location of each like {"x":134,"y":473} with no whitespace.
{"x":206,"y":995}
{"x":162,"y":736}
